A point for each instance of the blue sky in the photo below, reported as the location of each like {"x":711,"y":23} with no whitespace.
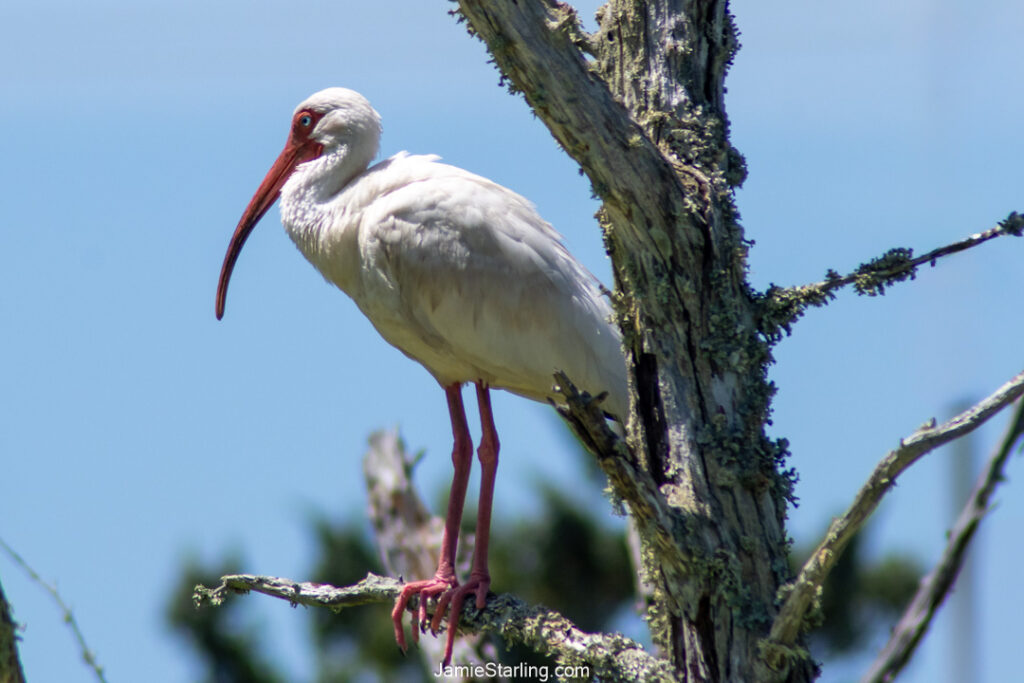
{"x":135,"y":429}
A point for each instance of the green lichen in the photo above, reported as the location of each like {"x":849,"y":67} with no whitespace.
{"x":893,"y":266}
{"x":1013,"y":224}
{"x":779,"y":307}
{"x":780,"y":658}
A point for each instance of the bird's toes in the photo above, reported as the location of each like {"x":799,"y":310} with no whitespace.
{"x":449,"y":644}
{"x":400,"y":636}
{"x":396,"y":620}
{"x":425,"y":591}
{"x":456,"y":597}
{"x":439,"y":609}
{"x":420,"y":620}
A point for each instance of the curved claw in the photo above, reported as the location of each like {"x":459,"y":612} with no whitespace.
{"x":456,"y":597}
{"x":426,"y":590}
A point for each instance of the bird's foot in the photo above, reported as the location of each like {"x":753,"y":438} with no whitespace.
{"x":425,"y":590}
{"x":478,"y":584}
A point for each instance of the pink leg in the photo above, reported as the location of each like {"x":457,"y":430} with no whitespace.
{"x":479,"y":578}
{"x":445,"y":579}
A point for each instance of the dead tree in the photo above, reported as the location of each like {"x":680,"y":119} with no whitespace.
{"x":639,"y":104}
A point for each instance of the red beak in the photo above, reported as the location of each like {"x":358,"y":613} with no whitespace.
{"x":294,"y":153}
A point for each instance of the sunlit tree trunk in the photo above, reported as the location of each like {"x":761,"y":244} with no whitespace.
{"x":639,"y":104}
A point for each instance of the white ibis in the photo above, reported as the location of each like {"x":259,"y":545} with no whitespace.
{"x":457,"y":272}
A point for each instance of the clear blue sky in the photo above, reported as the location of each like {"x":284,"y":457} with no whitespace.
{"x":135,"y":429}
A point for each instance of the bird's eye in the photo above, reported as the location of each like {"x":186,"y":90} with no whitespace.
{"x":305,"y":120}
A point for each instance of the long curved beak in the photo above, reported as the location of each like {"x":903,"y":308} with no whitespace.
{"x":291,"y":156}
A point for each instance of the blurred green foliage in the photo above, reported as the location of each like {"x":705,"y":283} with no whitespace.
{"x":561,"y":556}
{"x":561,"y":553}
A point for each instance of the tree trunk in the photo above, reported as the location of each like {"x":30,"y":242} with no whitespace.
{"x":645,"y":118}
{"x":10,"y":664}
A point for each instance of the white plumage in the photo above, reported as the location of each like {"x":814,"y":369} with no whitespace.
{"x":458,"y":273}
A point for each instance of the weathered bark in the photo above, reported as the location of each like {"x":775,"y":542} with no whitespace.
{"x":646,"y":121}
{"x":607,"y":656}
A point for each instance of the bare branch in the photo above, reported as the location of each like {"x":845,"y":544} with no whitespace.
{"x":69,"y":617}
{"x":936,"y":586}
{"x":806,"y":588}
{"x":395,"y":506}
{"x":783,"y":306}
{"x":610,"y":656}
{"x":371,"y":590}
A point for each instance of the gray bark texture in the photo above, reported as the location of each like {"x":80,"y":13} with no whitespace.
{"x":639,"y":105}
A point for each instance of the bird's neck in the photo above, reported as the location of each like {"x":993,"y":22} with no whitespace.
{"x":317,"y":216}
{"x":321,"y":179}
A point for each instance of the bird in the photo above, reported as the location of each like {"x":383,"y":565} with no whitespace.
{"x":458,"y":273}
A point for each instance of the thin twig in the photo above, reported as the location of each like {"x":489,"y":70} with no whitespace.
{"x":609,"y":656}
{"x":783,"y":305}
{"x":805,"y":589}
{"x":69,"y":618}
{"x":936,"y":586}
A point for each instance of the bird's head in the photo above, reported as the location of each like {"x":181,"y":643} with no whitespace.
{"x":336,"y":122}
{"x":338,"y":119}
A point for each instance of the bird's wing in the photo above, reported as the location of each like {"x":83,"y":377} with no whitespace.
{"x":470,"y":281}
